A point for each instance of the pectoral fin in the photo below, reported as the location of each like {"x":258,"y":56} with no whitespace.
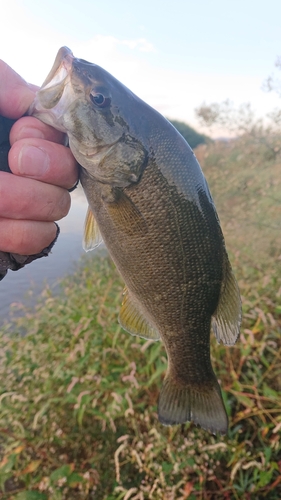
{"x":226,"y":320}
{"x":125,"y":214}
{"x":92,"y":236}
{"x":133,"y":321}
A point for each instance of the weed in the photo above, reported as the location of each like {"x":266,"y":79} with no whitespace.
{"x":78,"y":394}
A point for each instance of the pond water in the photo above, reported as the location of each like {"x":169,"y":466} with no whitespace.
{"x":23,"y":286}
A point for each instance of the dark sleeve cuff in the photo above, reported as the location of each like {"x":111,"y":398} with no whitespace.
{"x":15,"y":261}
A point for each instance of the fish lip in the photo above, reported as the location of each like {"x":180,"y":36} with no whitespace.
{"x":64,"y":58}
{"x":58,"y":76}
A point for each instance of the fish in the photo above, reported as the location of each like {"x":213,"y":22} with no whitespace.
{"x":149,"y":202}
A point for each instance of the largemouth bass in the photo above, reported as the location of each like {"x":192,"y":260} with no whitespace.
{"x":150,"y":203}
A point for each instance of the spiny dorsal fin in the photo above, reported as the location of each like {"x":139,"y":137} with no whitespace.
{"x":179,"y":403}
{"x":92,"y":236}
{"x":133,"y":321}
{"x":226,"y":320}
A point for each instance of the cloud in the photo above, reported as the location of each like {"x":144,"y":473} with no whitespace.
{"x":141,"y":44}
{"x":134,"y":62}
{"x":111,"y":52}
{"x":109,"y":45}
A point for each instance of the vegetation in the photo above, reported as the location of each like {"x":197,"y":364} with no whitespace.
{"x":191,"y":136}
{"x":78,"y":406}
{"x":242,"y":122}
{"x":273,"y":83}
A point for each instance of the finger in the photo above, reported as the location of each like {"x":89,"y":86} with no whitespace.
{"x":26,"y":237}
{"x":22,"y":198}
{"x":45,"y":161}
{"x":16,"y":94}
{"x":28,"y":126}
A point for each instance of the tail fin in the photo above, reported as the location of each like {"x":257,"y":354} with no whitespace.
{"x":180,"y":403}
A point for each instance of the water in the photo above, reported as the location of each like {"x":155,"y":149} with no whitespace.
{"x":23,"y":286}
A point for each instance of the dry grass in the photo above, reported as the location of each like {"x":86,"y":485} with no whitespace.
{"x":78,"y":394}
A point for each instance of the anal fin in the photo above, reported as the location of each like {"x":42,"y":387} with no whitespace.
{"x":133,"y":321}
{"x":226,"y":320}
{"x":92,"y":236}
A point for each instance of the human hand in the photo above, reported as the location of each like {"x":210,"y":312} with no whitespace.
{"x":36,"y":196}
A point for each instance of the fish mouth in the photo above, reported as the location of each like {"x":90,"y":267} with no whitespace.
{"x":49,"y":104}
{"x":62,"y":64}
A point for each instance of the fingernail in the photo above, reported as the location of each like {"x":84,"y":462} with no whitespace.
{"x":33,"y":161}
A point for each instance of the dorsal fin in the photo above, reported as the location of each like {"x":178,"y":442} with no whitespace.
{"x":133,"y":321}
{"x":226,"y":320}
{"x":92,"y":236}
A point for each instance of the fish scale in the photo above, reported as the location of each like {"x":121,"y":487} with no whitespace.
{"x":150,"y":203}
{"x":182,"y":268}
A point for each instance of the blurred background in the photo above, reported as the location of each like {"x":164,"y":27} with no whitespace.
{"x":174,"y":55}
{"x":198,"y":63}
{"x":78,"y":414}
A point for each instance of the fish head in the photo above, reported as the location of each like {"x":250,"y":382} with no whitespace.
{"x":95,"y":110}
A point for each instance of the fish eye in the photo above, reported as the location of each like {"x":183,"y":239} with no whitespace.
{"x":100,"y":100}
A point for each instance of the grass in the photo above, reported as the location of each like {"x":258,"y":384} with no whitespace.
{"x":79,"y":395}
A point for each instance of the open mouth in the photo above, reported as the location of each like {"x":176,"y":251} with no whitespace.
{"x":51,"y":102}
{"x":60,"y":69}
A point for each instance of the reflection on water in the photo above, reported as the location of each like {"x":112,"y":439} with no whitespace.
{"x":25,"y":284}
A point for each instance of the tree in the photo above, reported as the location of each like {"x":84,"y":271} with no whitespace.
{"x":191,"y":136}
{"x":273,"y":84}
{"x":242,"y":123}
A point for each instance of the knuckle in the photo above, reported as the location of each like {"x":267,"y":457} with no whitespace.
{"x":58,"y":207}
{"x":66,"y":201}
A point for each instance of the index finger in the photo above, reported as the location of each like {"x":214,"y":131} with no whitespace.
{"x":16,"y":94}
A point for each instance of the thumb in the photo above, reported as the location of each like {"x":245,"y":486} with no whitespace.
{"x":16,"y":94}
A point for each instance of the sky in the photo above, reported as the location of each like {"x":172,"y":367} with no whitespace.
{"x":174,"y":54}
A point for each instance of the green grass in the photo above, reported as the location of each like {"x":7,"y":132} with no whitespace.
{"x":79,"y":395}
